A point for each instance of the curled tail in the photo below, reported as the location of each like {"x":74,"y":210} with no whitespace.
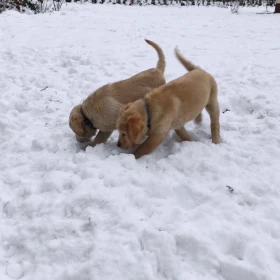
{"x":161,"y":58}
{"x":188,"y":65}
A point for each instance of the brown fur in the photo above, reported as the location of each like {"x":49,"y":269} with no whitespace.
{"x":170,"y":107}
{"x":102,"y":107}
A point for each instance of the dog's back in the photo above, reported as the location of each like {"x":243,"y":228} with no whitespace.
{"x":185,"y":97}
{"x":135,"y":87}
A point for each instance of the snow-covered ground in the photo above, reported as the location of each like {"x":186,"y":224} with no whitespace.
{"x":188,"y":211}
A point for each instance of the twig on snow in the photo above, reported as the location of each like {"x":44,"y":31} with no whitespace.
{"x":230,"y":189}
{"x":5,"y":205}
{"x":44,"y":88}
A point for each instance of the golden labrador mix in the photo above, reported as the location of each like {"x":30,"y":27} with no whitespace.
{"x":169,"y":107}
{"x":99,"y":111}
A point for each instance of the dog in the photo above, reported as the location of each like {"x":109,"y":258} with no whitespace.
{"x":99,"y":111}
{"x":169,"y":107}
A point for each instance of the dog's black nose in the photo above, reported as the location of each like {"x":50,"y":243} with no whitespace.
{"x":119,"y":145}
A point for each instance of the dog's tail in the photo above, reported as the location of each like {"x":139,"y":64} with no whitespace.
{"x":188,"y":65}
{"x":161,"y":58}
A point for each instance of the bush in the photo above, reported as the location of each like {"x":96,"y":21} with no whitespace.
{"x":33,"y":6}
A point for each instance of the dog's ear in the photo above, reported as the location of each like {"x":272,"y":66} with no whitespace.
{"x":124,"y":107}
{"x":76,"y":124}
{"x":127,"y":105}
{"x":135,"y":127}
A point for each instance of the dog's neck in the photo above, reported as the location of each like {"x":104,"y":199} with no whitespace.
{"x":85,"y":118}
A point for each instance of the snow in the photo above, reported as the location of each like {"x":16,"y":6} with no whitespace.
{"x":14,"y":271}
{"x":70,"y":214}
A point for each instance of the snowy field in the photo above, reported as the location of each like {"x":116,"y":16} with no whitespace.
{"x":188,"y":211}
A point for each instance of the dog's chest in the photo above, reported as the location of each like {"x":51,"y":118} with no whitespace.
{"x":105,"y":117}
{"x":106,"y":124}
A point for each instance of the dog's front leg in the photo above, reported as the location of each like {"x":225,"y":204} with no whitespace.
{"x":101,"y":137}
{"x":150,"y":144}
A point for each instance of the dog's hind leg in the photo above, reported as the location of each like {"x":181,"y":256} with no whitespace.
{"x":183,"y":134}
{"x":214,"y":111}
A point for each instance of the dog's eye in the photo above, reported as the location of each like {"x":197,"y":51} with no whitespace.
{"x":123,"y":134}
{"x":87,"y":122}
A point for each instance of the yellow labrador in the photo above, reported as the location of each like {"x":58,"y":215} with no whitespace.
{"x":170,"y":107}
{"x":99,"y":111}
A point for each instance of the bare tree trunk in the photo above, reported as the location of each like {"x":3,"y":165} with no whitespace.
{"x":277,"y":6}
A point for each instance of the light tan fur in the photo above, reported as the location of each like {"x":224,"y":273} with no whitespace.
{"x":170,"y":107}
{"x":102,"y":107}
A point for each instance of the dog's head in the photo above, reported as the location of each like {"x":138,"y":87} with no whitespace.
{"x":131,"y":126}
{"x":81,"y":125}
